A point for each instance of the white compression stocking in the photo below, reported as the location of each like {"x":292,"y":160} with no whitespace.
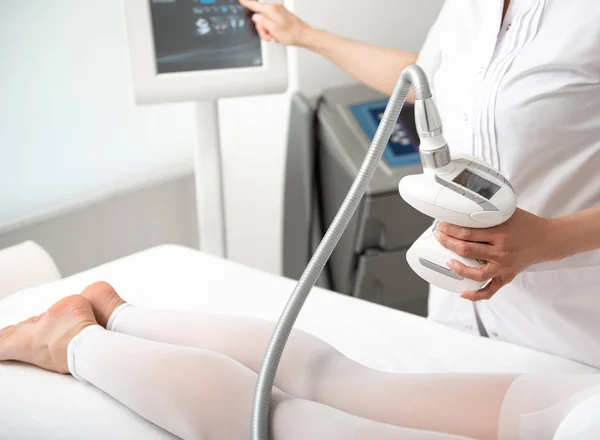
{"x":466,"y":405}
{"x":535,"y":406}
{"x":198,"y":394}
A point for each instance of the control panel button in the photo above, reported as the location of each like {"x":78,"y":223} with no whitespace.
{"x":439,"y":269}
{"x":487,"y":205}
{"x":505,"y":180}
{"x":441,"y":181}
{"x":488,"y":218}
{"x":451,"y":186}
{"x":471,"y":196}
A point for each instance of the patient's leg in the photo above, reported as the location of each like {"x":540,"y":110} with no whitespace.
{"x":190,"y":392}
{"x":311,"y":369}
{"x":198,"y":394}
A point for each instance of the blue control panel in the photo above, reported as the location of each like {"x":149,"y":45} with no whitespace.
{"x":403,"y":147}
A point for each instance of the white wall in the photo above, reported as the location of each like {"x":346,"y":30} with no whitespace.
{"x":254,"y":136}
{"x":401,"y":24}
{"x":69,"y":129}
{"x":121,"y":225}
{"x":70,"y":133}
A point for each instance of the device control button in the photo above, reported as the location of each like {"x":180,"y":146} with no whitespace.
{"x":439,"y":269}
{"x":487,"y":206}
{"x":451,"y":186}
{"x":462,"y":191}
{"x":478,"y":166}
{"x":488,"y":218}
{"x":462,"y":161}
{"x":471,"y":196}
{"x":477,"y":199}
{"x":441,"y":181}
{"x":505,"y":180}
{"x":498,"y":176}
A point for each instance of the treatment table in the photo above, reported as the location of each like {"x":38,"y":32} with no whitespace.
{"x":36,"y":404}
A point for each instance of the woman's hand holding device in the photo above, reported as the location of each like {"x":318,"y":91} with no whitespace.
{"x":508,"y":249}
{"x":467,"y":192}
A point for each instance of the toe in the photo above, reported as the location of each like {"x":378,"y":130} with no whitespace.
{"x":5,"y":332}
{"x":15,"y":341}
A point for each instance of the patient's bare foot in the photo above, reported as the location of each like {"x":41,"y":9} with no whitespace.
{"x":104,"y":300}
{"x":42,"y":340}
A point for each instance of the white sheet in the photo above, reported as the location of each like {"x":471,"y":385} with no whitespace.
{"x":35,"y":404}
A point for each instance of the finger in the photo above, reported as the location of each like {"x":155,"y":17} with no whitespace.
{"x":467,"y":249}
{"x":7,"y":331}
{"x":486,"y":293}
{"x":267,"y":9}
{"x":7,"y":346}
{"x":481,"y":274}
{"x":263,"y":32}
{"x":267,"y":24}
{"x":465,"y":234}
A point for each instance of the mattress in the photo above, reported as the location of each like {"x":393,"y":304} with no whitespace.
{"x":37,"y":404}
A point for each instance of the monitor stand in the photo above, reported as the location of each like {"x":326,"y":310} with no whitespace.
{"x":208,"y":172}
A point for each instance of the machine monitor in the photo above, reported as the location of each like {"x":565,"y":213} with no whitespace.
{"x":208,"y":35}
{"x":202,"y":51}
{"x":199,"y":50}
{"x":403,"y":147}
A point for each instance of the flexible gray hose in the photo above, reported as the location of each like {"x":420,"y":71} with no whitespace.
{"x":412,"y":75}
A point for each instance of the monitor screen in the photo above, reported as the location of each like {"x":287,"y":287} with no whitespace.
{"x":403,"y":146}
{"x":199,"y":35}
{"x":476,"y":183}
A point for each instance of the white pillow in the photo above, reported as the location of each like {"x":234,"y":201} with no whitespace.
{"x":25,"y":265}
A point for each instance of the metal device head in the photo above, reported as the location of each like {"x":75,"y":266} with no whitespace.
{"x":434,"y":151}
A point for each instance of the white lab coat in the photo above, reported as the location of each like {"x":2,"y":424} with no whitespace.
{"x":525,"y":97}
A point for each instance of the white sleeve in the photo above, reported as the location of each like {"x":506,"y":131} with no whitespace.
{"x":430,"y":55}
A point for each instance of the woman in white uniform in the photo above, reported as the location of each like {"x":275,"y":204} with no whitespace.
{"x":194,"y":375}
{"x":517,"y":83}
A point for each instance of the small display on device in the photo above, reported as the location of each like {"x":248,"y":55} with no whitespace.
{"x":476,"y":183}
{"x":199,"y":35}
